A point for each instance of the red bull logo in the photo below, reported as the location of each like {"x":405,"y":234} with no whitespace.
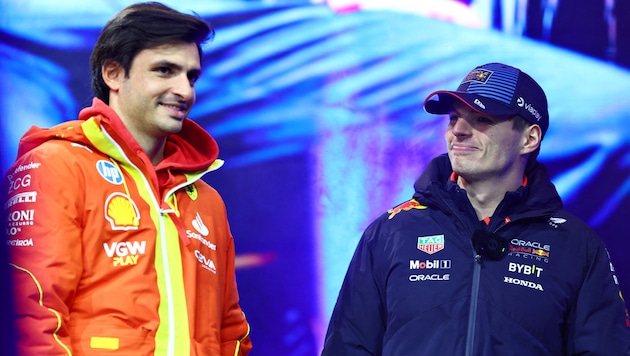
{"x":478,"y":75}
{"x":533,"y":250}
{"x":540,"y":252}
{"x":406,"y":206}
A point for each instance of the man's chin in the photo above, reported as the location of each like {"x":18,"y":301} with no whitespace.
{"x":461,"y":161}
{"x":174,"y":127}
{"x":464,"y":169}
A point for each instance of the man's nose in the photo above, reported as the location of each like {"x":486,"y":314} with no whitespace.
{"x":460,"y":127}
{"x":184,"y":87}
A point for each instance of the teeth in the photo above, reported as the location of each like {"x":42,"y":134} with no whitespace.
{"x":178,"y":108}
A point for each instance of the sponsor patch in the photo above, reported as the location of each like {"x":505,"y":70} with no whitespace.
{"x":532,"y":250}
{"x":26,"y":167}
{"x":20,"y":218}
{"x":431,"y":244}
{"x":20,"y":242}
{"x":556,"y":221}
{"x":406,"y":206}
{"x":202,"y":229}
{"x":429,"y":264}
{"x":125,"y":253}
{"x":523,"y":283}
{"x":429,"y":277}
{"x":528,"y":270}
{"x":521,"y":102}
{"x":12,"y":231}
{"x":121,"y":212}
{"x":478,"y":75}
{"x":27,"y":197}
{"x":197,"y":223}
{"x":612,"y":268}
{"x":18,"y":183}
{"x":205,"y":262}
{"x":109,"y":172}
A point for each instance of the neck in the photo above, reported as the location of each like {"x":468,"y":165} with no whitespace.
{"x":153,"y":147}
{"x":154,"y":150}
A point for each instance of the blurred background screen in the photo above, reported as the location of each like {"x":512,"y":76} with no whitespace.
{"x":317,"y":109}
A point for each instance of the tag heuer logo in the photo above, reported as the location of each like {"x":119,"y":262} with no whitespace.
{"x":431,"y":244}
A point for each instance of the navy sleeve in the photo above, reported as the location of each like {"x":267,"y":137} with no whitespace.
{"x":358,"y":320}
{"x":599,"y":324}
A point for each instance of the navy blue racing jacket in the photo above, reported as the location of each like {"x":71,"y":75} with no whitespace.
{"x":428,"y":278}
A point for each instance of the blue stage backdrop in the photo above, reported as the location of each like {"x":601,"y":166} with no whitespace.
{"x":317,"y":110}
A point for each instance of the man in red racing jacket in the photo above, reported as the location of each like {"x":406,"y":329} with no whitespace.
{"x":116,"y":244}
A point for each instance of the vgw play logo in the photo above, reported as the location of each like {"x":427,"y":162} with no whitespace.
{"x":125,"y":253}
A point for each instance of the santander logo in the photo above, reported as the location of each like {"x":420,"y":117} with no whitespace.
{"x":199,"y":226}
{"x":202,"y":229}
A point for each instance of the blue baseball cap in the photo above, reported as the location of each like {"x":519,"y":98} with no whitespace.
{"x":496,"y":89}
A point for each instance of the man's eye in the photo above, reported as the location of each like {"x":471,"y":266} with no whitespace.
{"x":163,"y":70}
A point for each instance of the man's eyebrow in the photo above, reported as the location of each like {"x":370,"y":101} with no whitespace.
{"x":165,"y":63}
{"x":169,"y":64}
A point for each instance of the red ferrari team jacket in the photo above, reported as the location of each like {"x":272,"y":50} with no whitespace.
{"x":113,"y":256}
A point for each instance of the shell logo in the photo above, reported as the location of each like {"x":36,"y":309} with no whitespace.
{"x":121,"y":212}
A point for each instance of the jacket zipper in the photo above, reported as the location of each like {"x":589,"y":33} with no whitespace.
{"x":474,"y":299}
{"x":472,"y":316}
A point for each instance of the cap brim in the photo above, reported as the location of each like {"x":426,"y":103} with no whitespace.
{"x":441,"y":102}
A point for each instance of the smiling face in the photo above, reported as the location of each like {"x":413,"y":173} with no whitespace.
{"x":485,"y":148}
{"x":157,"y":94}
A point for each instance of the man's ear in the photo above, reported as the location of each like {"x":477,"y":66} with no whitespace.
{"x":113,"y":74}
{"x":531,"y":139}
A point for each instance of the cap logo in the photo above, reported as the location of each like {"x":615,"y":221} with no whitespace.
{"x":521,"y":102}
{"x":478,"y":75}
{"x":479,"y":103}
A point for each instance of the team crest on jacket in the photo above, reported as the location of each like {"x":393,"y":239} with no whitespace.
{"x":431,"y":244}
{"x":191,"y":190}
{"x":406,"y":206}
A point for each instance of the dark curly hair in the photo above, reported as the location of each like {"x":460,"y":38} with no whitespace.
{"x":141,"y":26}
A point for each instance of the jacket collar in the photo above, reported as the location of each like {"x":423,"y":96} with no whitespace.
{"x":538,"y":198}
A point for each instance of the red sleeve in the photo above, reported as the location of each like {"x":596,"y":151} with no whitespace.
{"x":44,"y":228}
{"x":234,"y":328}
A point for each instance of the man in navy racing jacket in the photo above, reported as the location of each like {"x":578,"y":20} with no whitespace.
{"x":483,"y":260}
